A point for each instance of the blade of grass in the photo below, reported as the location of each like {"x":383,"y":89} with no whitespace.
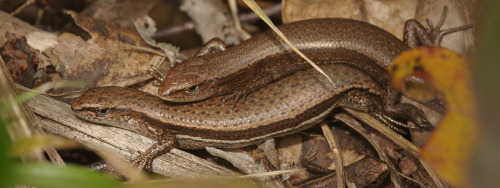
{"x":41,"y":89}
{"x":263,"y":16}
{"x":48,"y":175}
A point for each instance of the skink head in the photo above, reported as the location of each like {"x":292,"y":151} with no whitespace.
{"x":100,"y":105}
{"x":188,"y":82}
{"x":118,"y":107}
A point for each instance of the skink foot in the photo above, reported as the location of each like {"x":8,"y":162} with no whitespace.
{"x":237,"y":96}
{"x":415,"y":34}
{"x":162,"y":146}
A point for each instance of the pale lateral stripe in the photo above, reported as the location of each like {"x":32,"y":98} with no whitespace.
{"x":255,"y":139}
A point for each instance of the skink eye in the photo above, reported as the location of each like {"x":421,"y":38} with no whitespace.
{"x":192,"y":90}
{"x":103,"y":111}
{"x":363,"y":101}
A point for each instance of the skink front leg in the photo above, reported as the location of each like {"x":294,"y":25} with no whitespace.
{"x":394,"y":109}
{"x":166,"y":143}
{"x":385,"y":109}
{"x":242,"y":93}
{"x":213,"y":45}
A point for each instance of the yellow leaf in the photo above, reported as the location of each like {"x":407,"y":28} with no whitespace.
{"x":450,"y":146}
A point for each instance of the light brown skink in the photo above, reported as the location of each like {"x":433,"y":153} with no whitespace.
{"x":285,"y":107}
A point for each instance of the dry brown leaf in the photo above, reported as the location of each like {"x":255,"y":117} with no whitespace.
{"x":22,"y":61}
{"x":104,"y":57}
{"x":119,"y":11}
{"x":293,"y":147}
{"x":295,"y":10}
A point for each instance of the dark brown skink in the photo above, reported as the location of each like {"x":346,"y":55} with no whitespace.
{"x":241,"y":69}
{"x":285,"y":107}
{"x":265,"y":57}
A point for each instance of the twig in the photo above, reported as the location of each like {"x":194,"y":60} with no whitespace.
{"x":19,"y":9}
{"x":337,"y":157}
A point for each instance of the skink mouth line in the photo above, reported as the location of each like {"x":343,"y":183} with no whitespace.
{"x":111,"y":123}
{"x":182,"y":100}
{"x":86,"y":118}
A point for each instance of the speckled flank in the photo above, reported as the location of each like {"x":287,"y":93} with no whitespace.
{"x":265,"y":57}
{"x":278,"y":109}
